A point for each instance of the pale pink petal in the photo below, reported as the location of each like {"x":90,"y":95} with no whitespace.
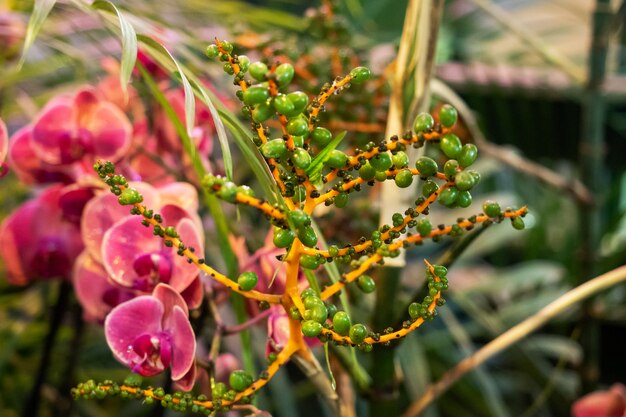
{"x":111,"y":132}
{"x":15,"y":239}
{"x":183,"y":343}
{"x":95,"y":292}
{"x":169,"y":298}
{"x":187,"y":382}
{"x":277,"y":331}
{"x":130,"y":320}
{"x":184,"y":273}
{"x":53,"y":135}
{"x":181,"y":194}
{"x":174,"y":213}
{"x":85,"y":104}
{"x":601,"y":404}
{"x":194,"y":293}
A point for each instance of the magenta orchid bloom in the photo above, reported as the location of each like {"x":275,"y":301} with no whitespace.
{"x":38,"y":241}
{"x":151,"y":333}
{"x":83,"y":127}
{"x":611,"y":403}
{"x":135,"y":259}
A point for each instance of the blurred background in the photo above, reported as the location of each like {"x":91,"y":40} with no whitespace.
{"x":542,"y":88}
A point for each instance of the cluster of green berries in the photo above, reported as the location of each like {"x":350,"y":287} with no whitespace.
{"x":437,"y":282}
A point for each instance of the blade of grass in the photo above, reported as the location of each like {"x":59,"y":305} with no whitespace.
{"x":40,"y":12}
{"x":129,"y":42}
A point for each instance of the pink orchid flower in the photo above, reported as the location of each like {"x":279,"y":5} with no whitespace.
{"x":151,"y":333}
{"x":611,"y":403}
{"x":82,"y":127}
{"x":4,"y":147}
{"x":38,"y":240}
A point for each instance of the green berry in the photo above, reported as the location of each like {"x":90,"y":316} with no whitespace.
{"x":332,"y":310}
{"x":227,"y":46}
{"x":283,"y":104}
{"x":359,"y":75}
{"x":448,"y":196}
{"x":284,"y":74}
{"x":400,"y":159}
{"x":297,"y":126}
{"x":307,"y":236}
{"x":247,"y":280}
{"x":300,"y":100}
{"x":228,"y":192}
{"x":299,"y":218}
{"x":283,"y":238}
{"x":130,"y":196}
{"x":518,"y":223}
{"x":414,"y":310}
{"x":440,"y":271}
{"x":321,"y":137}
{"x":219,"y":390}
{"x":337,"y":159}
{"x":451,"y":145}
{"x":429,"y":187}
{"x":492,"y":208}
{"x":380,"y":176}
{"x":333,"y":250}
{"x":309,"y":292}
{"x":341,"y":200}
{"x":381,"y":161}
{"x":426,"y":166}
{"x":298,"y":141}
{"x":464,"y":199}
{"x":258,"y":70}
{"x":423,"y":122}
{"x":366,"y":284}
{"x":309,"y":262}
{"x":212,"y":51}
{"x":256,"y":95}
{"x":262,"y":112}
{"x":243,"y":62}
{"x":240,"y":380}
{"x":468,"y":155}
{"x":318,"y":313}
{"x":358,"y":333}
{"x":342,"y":323}
{"x":464,"y":181}
{"x":367,"y":172}
{"x":312,"y":301}
{"x":275,"y":148}
{"x":311,"y":328}
{"x":301,"y":158}
{"x":228,"y":68}
{"x":450,"y":168}
{"x":447,"y":115}
{"x":404,"y":178}
{"x":424,"y":227}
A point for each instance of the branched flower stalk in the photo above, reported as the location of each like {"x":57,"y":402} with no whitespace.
{"x":310,"y":171}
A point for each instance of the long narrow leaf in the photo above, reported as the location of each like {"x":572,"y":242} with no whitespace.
{"x":129,"y":42}
{"x":314,"y":171}
{"x":41,"y":9}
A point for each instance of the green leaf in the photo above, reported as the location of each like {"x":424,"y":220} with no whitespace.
{"x":190,"y":102}
{"x":333,"y":383}
{"x":314,"y":171}
{"x":129,"y":42}
{"x":41,"y":9}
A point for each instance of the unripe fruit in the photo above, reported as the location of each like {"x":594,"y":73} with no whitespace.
{"x":464,"y":181}
{"x":424,"y":227}
{"x":366,"y":284}
{"x":358,"y":333}
{"x":275,"y":148}
{"x":367,"y":172}
{"x":283,"y":104}
{"x":300,"y":100}
{"x":243,"y":62}
{"x":447,"y":115}
{"x":341,"y":200}
{"x":448,"y":196}
{"x":468,"y":155}
{"x":404,"y":178}
{"x":318,"y":313}
{"x":423,"y":122}
{"x":129,"y":196}
{"x":247,"y":280}
{"x":321,"y":137}
{"x":492,"y":208}
{"x":429,"y":187}
{"x":307,"y":236}
{"x":337,"y":159}
{"x":212,"y":51}
{"x":299,"y":218}
{"x":518,"y":223}
{"x":297,"y":126}
{"x":262,"y":112}
{"x":228,"y":192}
{"x":219,"y":390}
{"x":258,"y":70}
{"x":284,"y":74}
{"x":426,"y":166}
{"x":464,"y":199}
{"x":309,"y":262}
{"x":301,"y":158}
{"x":400,"y":159}
{"x":311,"y":328}
{"x":381,"y":161}
{"x":283,"y":238}
{"x":256,"y":95}
{"x":309,"y":292}
{"x":451,"y":145}
{"x":450,"y":168}
{"x":380,"y":176}
{"x":359,"y":75}
{"x":342,"y":323}
{"x":414,"y":310}
{"x":240,"y":380}
{"x":312,"y":301}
